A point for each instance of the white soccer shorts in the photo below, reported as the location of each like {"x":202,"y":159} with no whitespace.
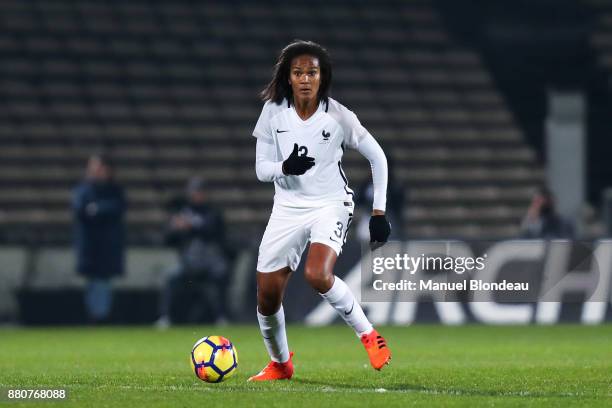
{"x":289,"y":230}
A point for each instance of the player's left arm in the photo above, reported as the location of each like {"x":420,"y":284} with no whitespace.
{"x":380,"y":229}
{"x":357,"y":137}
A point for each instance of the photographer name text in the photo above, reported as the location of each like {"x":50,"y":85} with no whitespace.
{"x":432,"y":285}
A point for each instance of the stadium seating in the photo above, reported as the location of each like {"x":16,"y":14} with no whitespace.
{"x":600,"y":99}
{"x":169,"y":89}
{"x":601,"y":38}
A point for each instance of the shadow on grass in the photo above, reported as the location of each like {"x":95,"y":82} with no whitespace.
{"x":420,"y":389}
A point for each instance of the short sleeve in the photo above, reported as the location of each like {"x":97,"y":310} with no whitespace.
{"x":354,"y":132}
{"x":262,"y":130}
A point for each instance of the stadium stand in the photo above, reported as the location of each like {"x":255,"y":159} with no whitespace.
{"x":601,"y":38}
{"x":600,"y":99}
{"x":146,"y":268}
{"x":12,"y":271}
{"x":54,"y":269}
{"x":30,"y":278}
{"x":169,"y":89}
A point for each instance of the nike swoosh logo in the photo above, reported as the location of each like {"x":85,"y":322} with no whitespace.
{"x":350,"y":311}
{"x":281,"y":131}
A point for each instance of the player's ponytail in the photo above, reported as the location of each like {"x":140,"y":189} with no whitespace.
{"x":278,"y":88}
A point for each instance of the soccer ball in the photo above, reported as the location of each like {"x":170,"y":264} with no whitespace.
{"x":214,"y":359}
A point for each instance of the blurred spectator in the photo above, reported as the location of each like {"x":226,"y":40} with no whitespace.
{"x":542,"y":220}
{"x":395,"y":205}
{"x":197,"y":230}
{"x":99,"y":207}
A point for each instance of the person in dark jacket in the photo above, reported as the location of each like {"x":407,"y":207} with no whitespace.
{"x":542,"y":219}
{"x":197,"y":230}
{"x":99,"y":206}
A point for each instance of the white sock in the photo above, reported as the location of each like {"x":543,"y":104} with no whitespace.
{"x":275,"y":338}
{"x":342,"y":299}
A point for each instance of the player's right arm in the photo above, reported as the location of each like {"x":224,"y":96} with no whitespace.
{"x":266,"y":167}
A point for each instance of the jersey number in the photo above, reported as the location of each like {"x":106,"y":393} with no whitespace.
{"x":303,"y":151}
{"x":338,"y":231}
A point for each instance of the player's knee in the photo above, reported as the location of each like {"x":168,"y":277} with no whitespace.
{"x":319,"y":278}
{"x":268,"y":301}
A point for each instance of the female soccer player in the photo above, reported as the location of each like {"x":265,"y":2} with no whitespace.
{"x":301,"y":135}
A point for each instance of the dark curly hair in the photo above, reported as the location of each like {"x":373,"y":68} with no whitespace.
{"x":279,"y":88}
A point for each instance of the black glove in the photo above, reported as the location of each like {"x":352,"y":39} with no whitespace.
{"x":379,"y":231}
{"x":297,"y":165}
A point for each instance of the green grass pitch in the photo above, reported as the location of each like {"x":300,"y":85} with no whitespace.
{"x":471,"y":366}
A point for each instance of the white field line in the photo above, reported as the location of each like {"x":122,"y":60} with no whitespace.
{"x":328,"y":389}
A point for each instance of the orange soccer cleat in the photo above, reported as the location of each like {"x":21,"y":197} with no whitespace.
{"x":377,"y":349}
{"x":275,"y":371}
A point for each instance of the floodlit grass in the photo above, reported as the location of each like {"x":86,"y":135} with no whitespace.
{"x":431,"y":366}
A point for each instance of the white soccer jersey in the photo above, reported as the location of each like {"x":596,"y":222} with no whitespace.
{"x":323,"y":136}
